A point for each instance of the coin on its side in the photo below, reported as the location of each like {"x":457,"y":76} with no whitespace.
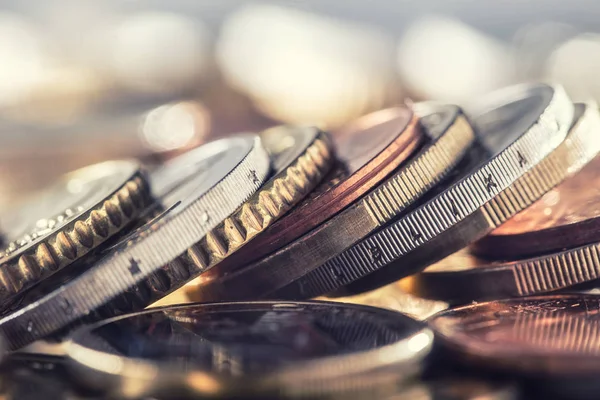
{"x":463,"y":277}
{"x":517,"y":128}
{"x":63,"y":223}
{"x":197,"y":191}
{"x":553,"y":335}
{"x":567,"y":216}
{"x":367,"y":151}
{"x":301,"y":156}
{"x":251,"y":350}
{"x":449,"y":137}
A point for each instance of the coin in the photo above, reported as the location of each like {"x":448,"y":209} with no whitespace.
{"x":463,"y":277}
{"x":68,"y":220}
{"x":555,"y":335}
{"x":517,"y":128}
{"x":567,"y":216}
{"x":300,"y":157}
{"x":367,"y":150}
{"x":203,"y":187}
{"x":251,"y":350}
{"x":449,"y":137}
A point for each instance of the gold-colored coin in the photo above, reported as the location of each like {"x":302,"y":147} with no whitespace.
{"x":66,"y":221}
{"x":301,"y":157}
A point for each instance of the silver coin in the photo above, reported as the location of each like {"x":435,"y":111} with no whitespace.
{"x":251,"y":350}
{"x":199,"y":190}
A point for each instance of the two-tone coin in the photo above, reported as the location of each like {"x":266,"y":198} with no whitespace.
{"x":69,"y":219}
{"x":449,"y":138}
{"x":517,"y":128}
{"x":553,"y":335}
{"x":463,"y":277}
{"x":251,"y":350}
{"x":202,"y":189}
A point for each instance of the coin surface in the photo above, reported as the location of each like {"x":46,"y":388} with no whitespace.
{"x":463,"y":277}
{"x":547,"y":334}
{"x":567,"y":216}
{"x":367,"y":150}
{"x":68,"y":220}
{"x":517,"y":128}
{"x":300,"y":158}
{"x":201,"y":189}
{"x":251,"y":350}
{"x":449,"y":137}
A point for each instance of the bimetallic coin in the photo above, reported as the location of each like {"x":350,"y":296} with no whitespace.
{"x":567,"y":216}
{"x":553,"y":335}
{"x":251,"y":350}
{"x":300,"y":157}
{"x":68,"y":220}
{"x":202,"y":188}
{"x":367,"y":150}
{"x":462,"y":277}
{"x":517,"y":127}
{"x":449,"y":136}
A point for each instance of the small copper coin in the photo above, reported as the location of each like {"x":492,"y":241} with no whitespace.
{"x":368,"y":150}
{"x":552,"y":335}
{"x":567,"y":216}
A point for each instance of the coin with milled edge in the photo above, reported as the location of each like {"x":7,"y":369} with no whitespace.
{"x":517,"y":127}
{"x":201,"y":189}
{"x":554,"y":335}
{"x":462,"y":277}
{"x":300,"y":158}
{"x":251,"y":350}
{"x":567,"y":216}
{"x":368,"y":150}
{"x":449,"y":137}
{"x":68,"y":220}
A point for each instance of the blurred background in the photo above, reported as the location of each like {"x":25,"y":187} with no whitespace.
{"x":83,"y":81}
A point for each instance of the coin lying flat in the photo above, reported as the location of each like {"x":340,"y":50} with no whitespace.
{"x":463,"y":277}
{"x":517,"y":128}
{"x":567,"y":216}
{"x":555,"y":335}
{"x":251,"y":350}
{"x":300,"y":158}
{"x":197,"y":191}
{"x":68,"y":220}
{"x":449,"y":137}
{"x":367,"y":151}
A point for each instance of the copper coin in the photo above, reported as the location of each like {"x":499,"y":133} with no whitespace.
{"x":368,"y":150}
{"x":557,"y":335}
{"x":567,"y":216}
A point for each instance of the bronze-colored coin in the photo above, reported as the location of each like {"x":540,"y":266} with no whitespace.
{"x":553,"y":335}
{"x":368,"y":150}
{"x":567,"y":216}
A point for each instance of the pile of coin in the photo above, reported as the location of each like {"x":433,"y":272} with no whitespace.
{"x":421,"y":209}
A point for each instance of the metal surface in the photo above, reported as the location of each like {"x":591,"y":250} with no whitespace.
{"x":251,"y":350}
{"x":556,"y":335}
{"x":567,"y":216}
{"x":518,"y":127}
{"x":68,"y":220}
{"x":368,"y":150}
{"x":205,"y":187}
{"x":300,"y":157}
{"x":450,"y":135}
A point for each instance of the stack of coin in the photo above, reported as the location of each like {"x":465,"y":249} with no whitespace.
{"x":481,"y":204}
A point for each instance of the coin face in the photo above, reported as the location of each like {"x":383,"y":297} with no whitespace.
{"x":551,"y":334}
{"x":565,"y":217}
{"x":367,"y":151}
{"x":310,"y":341}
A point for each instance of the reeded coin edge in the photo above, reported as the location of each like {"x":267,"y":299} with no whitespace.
{"x":272,"y":201}
{"x":75,"y":239}
{"x":457,"y":203}
{"x":82,"y":299}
